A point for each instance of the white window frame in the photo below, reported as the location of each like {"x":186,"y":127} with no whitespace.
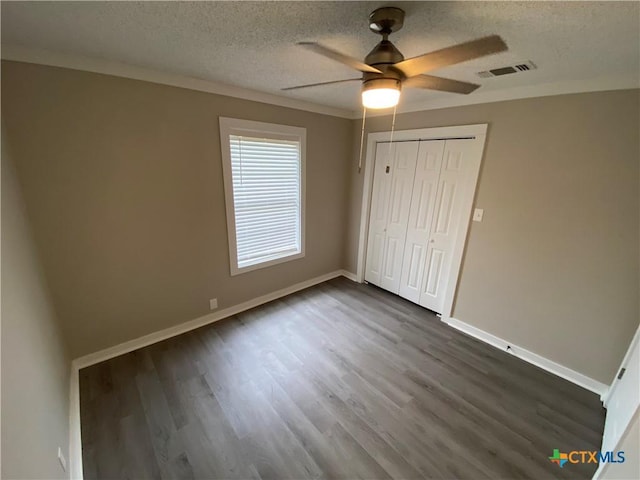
{"x":235,"y":126}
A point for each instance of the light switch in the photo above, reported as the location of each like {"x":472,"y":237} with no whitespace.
{"x":477,"y":214}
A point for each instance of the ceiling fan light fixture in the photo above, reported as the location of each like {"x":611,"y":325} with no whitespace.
{"x":381,"y":93}
{"x":385,"y":70}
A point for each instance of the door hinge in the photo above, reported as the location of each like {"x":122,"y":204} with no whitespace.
{"x":621,"y":374}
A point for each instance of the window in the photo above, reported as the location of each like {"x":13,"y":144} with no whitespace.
{"x":263,"y":166}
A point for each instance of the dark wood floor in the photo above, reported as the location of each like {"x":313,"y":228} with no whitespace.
{"x":339,"y":381}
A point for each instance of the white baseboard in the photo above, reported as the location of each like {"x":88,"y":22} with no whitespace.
{"x":75,"y":441}
{"x":351,"y":276}
{"x":531,"y":357}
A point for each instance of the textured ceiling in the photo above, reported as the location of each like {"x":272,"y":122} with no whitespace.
{"x":252,"y":44}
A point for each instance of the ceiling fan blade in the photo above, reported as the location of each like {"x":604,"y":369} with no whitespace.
{"x":451,"y":55}
{"x":438,"y":83}
{"x":339,"y":57}
{"x":323,"y":83}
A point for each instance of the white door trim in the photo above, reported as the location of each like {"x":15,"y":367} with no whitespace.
{"x":478,"y":131}
{"x":614,"y":383}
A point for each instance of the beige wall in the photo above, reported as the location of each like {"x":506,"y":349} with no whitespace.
{"x":123,"y":184}
{"x":35,"y":362}
{"x":553,"y":267}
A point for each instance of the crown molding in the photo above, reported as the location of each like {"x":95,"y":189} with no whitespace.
{"x":600,"y":84}
{"x":106,"y":67}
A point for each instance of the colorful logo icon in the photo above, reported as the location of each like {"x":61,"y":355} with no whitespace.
{"x":584,"y":456}
{"x":559,"y":458}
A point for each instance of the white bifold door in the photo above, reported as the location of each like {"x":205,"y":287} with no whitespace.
{"x":392,"y":186}
{"x":422,"y":194}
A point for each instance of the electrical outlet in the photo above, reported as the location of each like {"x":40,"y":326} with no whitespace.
{"x":63,"y":461}
{"x":477,"y":214}
{"x":213,"y":303}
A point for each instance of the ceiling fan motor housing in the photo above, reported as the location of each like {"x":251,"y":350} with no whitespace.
{"x":383,"y":53}
{"x":383,"y":57}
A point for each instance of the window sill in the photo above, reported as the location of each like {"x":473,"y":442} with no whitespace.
{"x":249,"y":268}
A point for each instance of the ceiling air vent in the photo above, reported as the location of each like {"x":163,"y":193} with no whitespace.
{"x":497,"y":72}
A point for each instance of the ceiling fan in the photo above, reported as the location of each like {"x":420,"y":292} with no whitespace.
{"x":385,"y":71}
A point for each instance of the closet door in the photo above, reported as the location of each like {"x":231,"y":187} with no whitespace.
{"x":425,"y":187}
{"x":387,"y":239}
{"x":454,"y":193}
{"x":379,"y":213}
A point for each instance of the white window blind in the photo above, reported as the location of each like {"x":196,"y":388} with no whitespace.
{"x":266,"y":198}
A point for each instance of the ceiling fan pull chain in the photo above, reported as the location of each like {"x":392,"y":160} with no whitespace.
{"x":393,"y":126}
{"x":364,"y":114}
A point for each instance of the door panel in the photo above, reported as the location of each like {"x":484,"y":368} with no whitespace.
{"x":455,"y":175}
{"x":393,"y":182}
{"x":423,"y":198}
{"x":375,"y":262}
{"x":414,"y":261}
{"x":434,"y":269}
{"x":378,"y":216}
{"x":403,"y":170}
{"x":389,"y":257}
{"x":445,"y":207}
